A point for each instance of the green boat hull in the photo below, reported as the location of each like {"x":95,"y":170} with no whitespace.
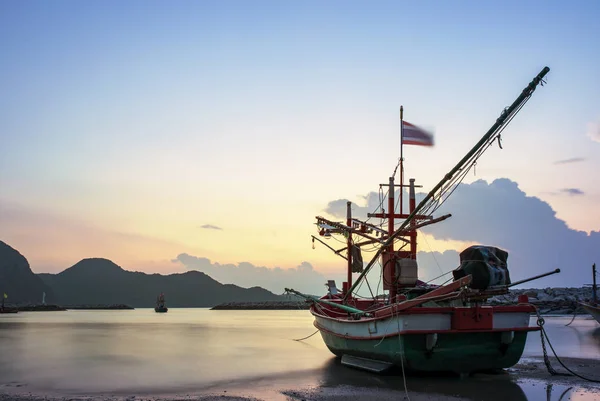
{"x":453,"y":352}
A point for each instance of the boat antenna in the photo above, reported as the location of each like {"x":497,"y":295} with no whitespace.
{"x":505,"y":117}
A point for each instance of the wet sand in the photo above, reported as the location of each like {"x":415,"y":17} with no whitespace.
{"x":528,"y":380}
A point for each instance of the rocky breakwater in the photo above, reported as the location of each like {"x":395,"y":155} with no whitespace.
{"x":268,"y":305}
{"x":50,"y":308}
{"x":39,"y":308}
{"x":549,"y":300}
{"x":100,"y":307}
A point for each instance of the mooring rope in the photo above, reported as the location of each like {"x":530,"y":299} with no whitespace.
{"x":573,"y":319}
{"x":401,"y":346}
{"x":540,"y":323}
{"x":304,"y":338}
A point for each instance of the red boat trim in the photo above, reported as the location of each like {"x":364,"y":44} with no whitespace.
{"x":428,"y":311}
{"x":405,"y":332}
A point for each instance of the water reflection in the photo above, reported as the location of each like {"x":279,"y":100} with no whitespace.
{"x":550,"y":387}
{"x":95,"y":352}
{"x":500,"y":386}
{"x":193,"y":349}
{"x":579,"y":340}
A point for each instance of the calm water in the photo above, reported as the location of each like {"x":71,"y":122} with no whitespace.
{"x":140,"y":351}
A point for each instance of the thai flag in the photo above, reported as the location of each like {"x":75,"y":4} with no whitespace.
{"x":413,"y":135}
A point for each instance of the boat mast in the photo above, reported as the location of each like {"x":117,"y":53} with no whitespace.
{"x":411,"y":207}
{"x":391,"y":262}
{"x":348,"y":284}
{"x":401,"y":155}
{"x":389,"y":266}
{"x":393,"y":278}
{"x":505,"y":117}
{"x":594,"y":288}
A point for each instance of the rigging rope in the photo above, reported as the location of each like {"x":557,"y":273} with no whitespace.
{"x":401,"y":346}
{"x":440,"y":276}
{"x":448,"y":189}
{"x":380,"y":207}
{"x":452,"y":179}
{"x":431,"y":251}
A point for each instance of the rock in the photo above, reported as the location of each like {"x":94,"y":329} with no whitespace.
{"x":40,"y":308}
{"x":544,"y":297}
{"x":549,"y":300}
{"x":100,"y":307}
{"x":268,"y":305}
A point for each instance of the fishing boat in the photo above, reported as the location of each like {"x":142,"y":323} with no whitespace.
{"x":160,"y":304}
{"x":593,"y":307}
{"x":415,"y":325}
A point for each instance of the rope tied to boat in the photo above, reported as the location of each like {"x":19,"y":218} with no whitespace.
{"x":573,"y":318}
{"x":540,"y":322}
{"x":544,"y":336}
{"x":304,"y":338}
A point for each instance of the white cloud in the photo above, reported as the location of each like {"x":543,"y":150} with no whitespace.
{"x":303,"y":278}
{"x":500,"y":214}
{"x":593,"y":131}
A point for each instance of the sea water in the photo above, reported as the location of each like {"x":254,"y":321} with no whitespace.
{"x":187,"y":350}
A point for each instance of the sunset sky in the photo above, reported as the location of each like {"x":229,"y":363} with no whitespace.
{"x":141,"y":131}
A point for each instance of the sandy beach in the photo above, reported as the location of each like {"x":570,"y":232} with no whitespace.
{"x":529,"y":380}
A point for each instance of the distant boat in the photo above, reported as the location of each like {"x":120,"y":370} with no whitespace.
{"x":592,"y":307}
{"x":160,"y":304}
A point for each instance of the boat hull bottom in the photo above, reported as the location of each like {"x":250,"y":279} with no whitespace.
{"x":453,"y":352}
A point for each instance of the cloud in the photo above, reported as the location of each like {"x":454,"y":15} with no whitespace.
{"x":337,"y":208}
{"x":571,"y":160}
{"x":210,"y":227}
{"x":593,"y":131}
{"x":502,"y":215}
{"x":435,"y":264}
{"x":303,"y":278}
{"x":572,"y":191}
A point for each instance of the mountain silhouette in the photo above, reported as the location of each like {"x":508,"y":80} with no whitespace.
{"x":100,"y":281}
{"x":18,"y":281}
